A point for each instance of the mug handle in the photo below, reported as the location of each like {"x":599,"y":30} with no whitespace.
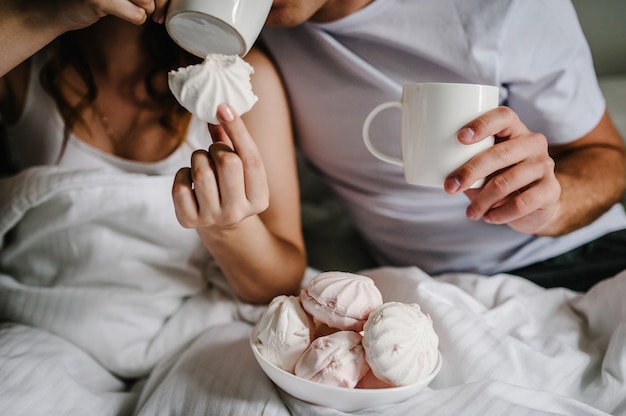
{"x":366,"y":133}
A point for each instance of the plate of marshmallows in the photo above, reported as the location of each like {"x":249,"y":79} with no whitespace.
{"x":339,"y":345}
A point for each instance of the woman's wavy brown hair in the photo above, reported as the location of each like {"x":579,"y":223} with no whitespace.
{"x":163,"y":53}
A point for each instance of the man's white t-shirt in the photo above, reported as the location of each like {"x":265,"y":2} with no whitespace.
{"x":337,"y":72}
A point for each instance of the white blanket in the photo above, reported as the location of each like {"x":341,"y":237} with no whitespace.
{"x":98,"y":263}
{"x":508,"y":346}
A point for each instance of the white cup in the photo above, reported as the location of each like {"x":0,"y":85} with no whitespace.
{"x":431,"y":116}
{"x":228,"y":27}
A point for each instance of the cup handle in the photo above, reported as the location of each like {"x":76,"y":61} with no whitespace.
{"x":366,"y":133}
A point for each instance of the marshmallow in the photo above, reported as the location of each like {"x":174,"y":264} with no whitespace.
{"x":341,"y":300}
{"x":400,"y":343}
{"x":283,"y":333}
{"x":218,"y":79}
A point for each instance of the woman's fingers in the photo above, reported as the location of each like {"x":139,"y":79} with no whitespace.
{"x":160,"y":9}
{"x":205,"y":186}
{"x":234,"y":203}
{"x":254,"y":175}
{"x":135,"y":11}
{"x":185,"y":204}
{"x":225,"y":184}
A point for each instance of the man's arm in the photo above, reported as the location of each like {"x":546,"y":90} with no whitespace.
{"x":592,"y":174}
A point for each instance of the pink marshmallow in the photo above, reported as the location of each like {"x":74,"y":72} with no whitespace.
{"x":341,"y":300}
{"x":337,"y":359}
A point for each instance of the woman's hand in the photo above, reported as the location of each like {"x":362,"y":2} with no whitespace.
{"x":225,"y":185}
{"x":522,"y":189}
{"x":242,"y":196}
{"x":78,"y":14}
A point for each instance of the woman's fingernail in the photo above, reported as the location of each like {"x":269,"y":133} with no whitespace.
{"x":466,"y":134}
{"x":157,"y":17}
{"x":225,"y":113}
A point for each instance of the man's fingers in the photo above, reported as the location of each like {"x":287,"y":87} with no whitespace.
{"x":500,"y":122}
{"x":503,"y":155}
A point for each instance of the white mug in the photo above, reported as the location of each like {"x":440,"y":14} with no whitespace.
{"x":431,"y":116}
{"x":228,"y":27}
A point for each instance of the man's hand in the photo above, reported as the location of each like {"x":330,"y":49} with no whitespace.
{"x":522,"y":189}
{"x":534,"y":188}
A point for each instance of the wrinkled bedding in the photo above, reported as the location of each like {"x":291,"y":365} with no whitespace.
{"x":109,"y":307}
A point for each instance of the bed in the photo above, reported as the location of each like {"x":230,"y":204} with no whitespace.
{"x":508,"y":346}
{"x":103,"y":346}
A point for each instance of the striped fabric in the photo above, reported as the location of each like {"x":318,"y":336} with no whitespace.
{"x":508,"y":347}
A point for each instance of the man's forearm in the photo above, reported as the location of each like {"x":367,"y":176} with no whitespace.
{"x":592,"y":180}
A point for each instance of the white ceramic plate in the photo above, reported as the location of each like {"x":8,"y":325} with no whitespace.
{"x":340,"y":398}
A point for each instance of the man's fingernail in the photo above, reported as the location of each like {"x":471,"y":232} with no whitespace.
{"x":471,"y":214}
{"x":466,"y":135}
{"x":452,"y":184}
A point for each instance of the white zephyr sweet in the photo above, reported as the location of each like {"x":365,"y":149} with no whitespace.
{"x":282,"y":334}
{"x":218,"y":79}
{"x":341,"y":300}
{"x":335,"y":360}
{"x":401,"y":346}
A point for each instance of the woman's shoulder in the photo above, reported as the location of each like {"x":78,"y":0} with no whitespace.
{"x":266,"y":80}
{"x":259,"y":59}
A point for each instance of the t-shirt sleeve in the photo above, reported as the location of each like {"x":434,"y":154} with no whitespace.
{"x":547,"y":69}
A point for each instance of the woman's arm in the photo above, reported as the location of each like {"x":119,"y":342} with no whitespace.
{"x":28,"y":26}
{"x":23,"y":31}
{"x":245,"y":197}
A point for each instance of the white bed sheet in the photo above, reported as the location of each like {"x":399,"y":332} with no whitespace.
{"x":509,"y":347}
